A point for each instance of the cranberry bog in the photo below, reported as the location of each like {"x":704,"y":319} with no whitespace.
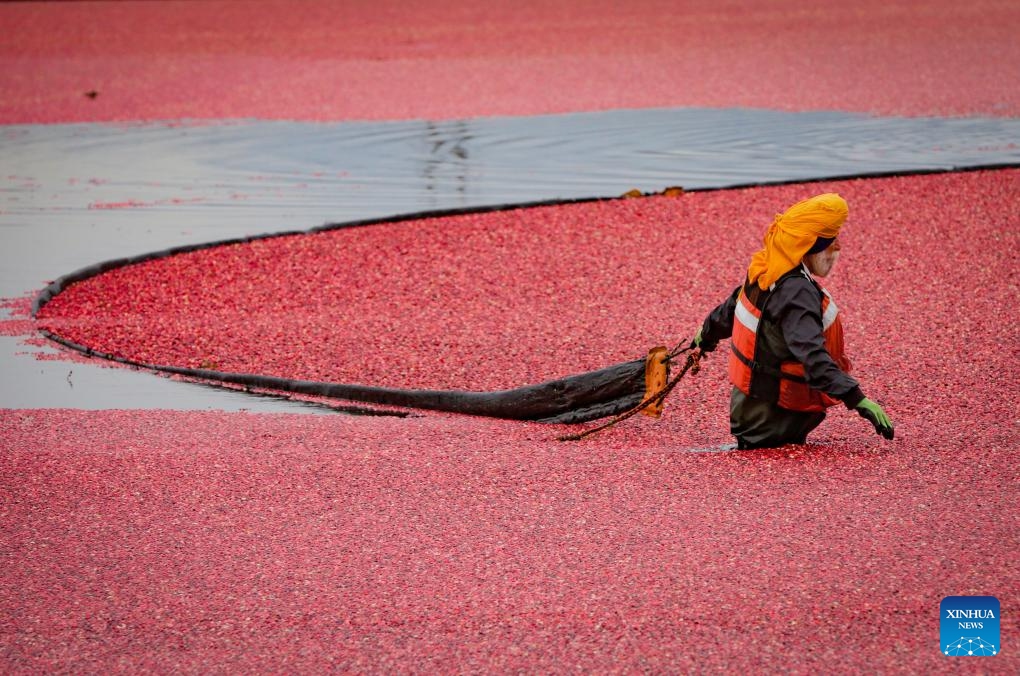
{"x":163,"y":540}
{"x":371,"y":61}
{"x":453,"y":542}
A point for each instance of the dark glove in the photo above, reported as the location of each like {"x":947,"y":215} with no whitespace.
{"x":874,"y":414}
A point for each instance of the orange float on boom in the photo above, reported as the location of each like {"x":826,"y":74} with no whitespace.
{"x":656,"y":376}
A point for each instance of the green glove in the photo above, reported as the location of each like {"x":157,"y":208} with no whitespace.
{"x":699,"y":342}
{"x":874,"y":414}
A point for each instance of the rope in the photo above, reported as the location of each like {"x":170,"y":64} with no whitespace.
{"x":679,"y":350}
{"x":692,"y":364}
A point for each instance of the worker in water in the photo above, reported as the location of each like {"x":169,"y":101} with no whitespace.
{"x":787,"y":363}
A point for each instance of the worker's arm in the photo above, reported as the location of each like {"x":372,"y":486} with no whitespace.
{"x":797,"y":307}
{"x":800,"y":318}
{"x":718,"y":325}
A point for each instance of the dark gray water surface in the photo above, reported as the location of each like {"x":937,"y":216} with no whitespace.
{"x":74,"y":195}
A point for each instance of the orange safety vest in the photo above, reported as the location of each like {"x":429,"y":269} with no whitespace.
{"x":783,"y":383}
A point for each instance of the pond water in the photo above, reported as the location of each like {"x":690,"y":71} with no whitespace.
{"x":75,"y":195}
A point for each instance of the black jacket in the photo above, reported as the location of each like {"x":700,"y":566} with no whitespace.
{"x":790,"y":328}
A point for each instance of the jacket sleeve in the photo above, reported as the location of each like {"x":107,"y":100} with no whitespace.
{"x":719,"y":323}
{"x":799,"y":315}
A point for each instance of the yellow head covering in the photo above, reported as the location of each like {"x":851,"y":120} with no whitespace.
{"x":793,"y":232}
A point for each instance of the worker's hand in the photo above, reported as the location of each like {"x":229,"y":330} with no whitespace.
{"x":874,"y":414}
{"x":698,"y":343}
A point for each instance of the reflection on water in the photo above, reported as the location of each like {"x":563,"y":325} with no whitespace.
{"x":446,"y":167}
{"x":74,"y":195}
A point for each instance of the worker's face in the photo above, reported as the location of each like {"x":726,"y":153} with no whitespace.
{"x":820,"y":264}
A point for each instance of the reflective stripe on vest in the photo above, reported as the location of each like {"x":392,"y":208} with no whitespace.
{"x":792,"y":391}
{"x":747,"y":314}
{"x":745,"y":333}
{"x":829,"y":311}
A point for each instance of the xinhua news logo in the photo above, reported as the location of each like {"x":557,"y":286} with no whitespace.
{"x":969,"y":626}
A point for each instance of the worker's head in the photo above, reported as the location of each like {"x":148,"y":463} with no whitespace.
{"x":794,"y":234}
{"x":822,"y":256}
